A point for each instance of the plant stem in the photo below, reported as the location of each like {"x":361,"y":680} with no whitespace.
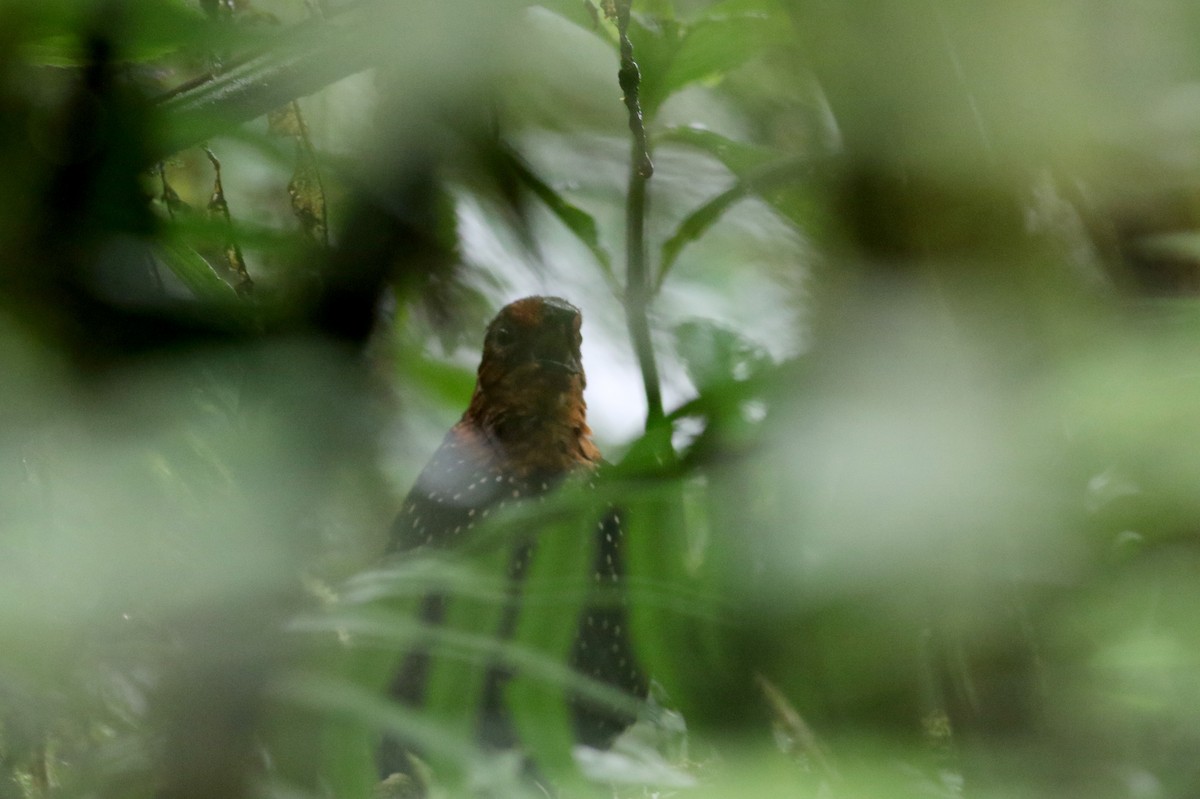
{"x":637,"y":277}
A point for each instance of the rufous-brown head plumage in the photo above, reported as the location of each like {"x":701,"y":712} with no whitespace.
{"x":528,"y":396}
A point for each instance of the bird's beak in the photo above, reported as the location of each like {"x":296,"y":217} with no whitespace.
{"x":552,"y":347}
{"x":570,"y":366}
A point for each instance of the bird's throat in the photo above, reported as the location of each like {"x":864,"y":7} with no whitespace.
{"x":535,"y":427}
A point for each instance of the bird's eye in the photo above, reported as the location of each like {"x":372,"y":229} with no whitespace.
{"x":503,"y":336}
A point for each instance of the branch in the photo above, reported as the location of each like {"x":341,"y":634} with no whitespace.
{"x":637,"y":280}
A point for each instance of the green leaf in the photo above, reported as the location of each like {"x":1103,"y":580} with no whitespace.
{"x":370,"y":629}
{"x":142,"y":30}
{"x":714,"y":355}
{"x":694,"y":226}
{"x":584,"y":13}
{"x":655,"y":44}
{"x":725,"y":36}
{"x":345,"y":700}
{"x":578,"y":221}
{"x":760,"y":181}
{"x":456,"y":678}
{"x":739,"y":157}
{"x":660,"y":9}
{"x":195,"y":272}
{"x":658,"y":554}
{"x":558,"y":574}
{"x":446,"y":383}
{"x":302,"y":60}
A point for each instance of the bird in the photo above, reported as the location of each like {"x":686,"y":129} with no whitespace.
{"x":522,"y":435}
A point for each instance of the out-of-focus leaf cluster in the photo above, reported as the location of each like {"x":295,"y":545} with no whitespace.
{"x":921,"y":516}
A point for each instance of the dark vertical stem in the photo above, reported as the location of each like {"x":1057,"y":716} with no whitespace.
{"x":637,"y":277}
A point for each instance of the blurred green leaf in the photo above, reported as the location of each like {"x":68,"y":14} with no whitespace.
{"x":457,"y":679}
{"x":301,"y":59}
{"x":346,"y":700}
{"x":196,"y":273}
{"x":762,"y":181}
{"x":150,"y":29}
{"x":584,"y":13}
{"x":577,"y":221}
{"x":739,"y":157}
{"x":724,"y":36}
{"x":557,"y":578}
{"x":715,"y":356}
{"x":673,"y":54}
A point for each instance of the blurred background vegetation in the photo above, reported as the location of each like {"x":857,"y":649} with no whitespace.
{"x":902,"y":401}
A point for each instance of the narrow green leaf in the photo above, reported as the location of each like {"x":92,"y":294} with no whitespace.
{"x":377,"y":629}
{"x":740,"y":158}
{"x":578,"y":221}
{"x":694,"y":225}
{"x":656,"y":535}
{"x":565,"y":549}
{"x":195,"y":272}
{"x":339,"y":698}
{"x":455,"y":690}
{"x":300,"y":60}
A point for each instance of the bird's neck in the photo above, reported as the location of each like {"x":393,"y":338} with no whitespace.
{"x":534,"y":429}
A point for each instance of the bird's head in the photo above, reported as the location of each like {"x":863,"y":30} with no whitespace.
{"x":536,"y":338}
{"x":531,"y":379}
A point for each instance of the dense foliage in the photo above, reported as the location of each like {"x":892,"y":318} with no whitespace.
{"x":890,"y":329}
